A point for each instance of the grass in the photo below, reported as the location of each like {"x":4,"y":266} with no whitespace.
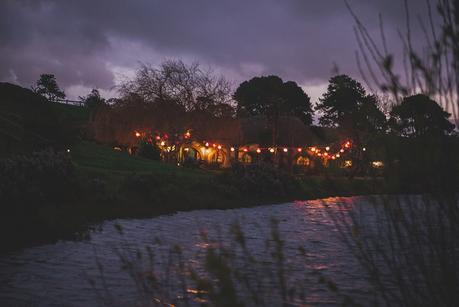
{"x":102,"y":158}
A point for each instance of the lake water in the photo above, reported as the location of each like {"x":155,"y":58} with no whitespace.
{"x":58,"y":274}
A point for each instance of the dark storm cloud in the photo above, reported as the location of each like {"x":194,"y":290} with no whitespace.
{"x":84,"y":42}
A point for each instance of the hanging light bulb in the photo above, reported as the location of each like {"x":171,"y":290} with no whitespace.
{"x":232,"y":148}
{"x":285,"y":149}
{"x":300,"y":150}
{"x":258,"y":150}
{"x":219,"y":146}
{"x":327,"y":148}
{"x":271,"y":150}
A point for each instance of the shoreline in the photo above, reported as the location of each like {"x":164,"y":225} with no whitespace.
{"x":82,"y":221}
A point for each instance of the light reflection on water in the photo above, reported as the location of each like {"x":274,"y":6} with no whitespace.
{"x":56,"y":275}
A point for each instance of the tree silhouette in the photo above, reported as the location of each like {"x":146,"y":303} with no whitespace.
{"x":189,"y":86}
{"x":418,"y":115}
{"x":272,"y":97}
{"x":346,"y":105}
{"x":93,"y":100}
{"x":47,"y":87}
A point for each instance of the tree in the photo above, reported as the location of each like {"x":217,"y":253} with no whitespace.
{"x":272,"y":97}
{"x":418,"y":115}
{"x":93,"y":100}
{"x":189,"y":86}
{"x":346,"y":105}
{"x":47,"y":87}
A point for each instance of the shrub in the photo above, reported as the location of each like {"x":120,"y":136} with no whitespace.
{"x":148,"y":151}
{"x":190,"y":162}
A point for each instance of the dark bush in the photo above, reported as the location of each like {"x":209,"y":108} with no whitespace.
{"x":190,"y":162}
{"x":148,"y":150}
{"x":261,"y":180}
{"x":43,"y":178}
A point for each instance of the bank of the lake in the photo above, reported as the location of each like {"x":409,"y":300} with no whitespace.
{"x":108,"y":184}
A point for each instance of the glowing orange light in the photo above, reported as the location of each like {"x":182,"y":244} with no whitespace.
{"x":319,"y":154}
{"x":245,"y":150}
{"x":158,"y":137}
{"x":219,"y":146}
{"x":313,"y":149}
{"x":338,"y":155}
{"x":300,"y":150}
{"x":326,"y":154}
{"x":163,"y":143}
{"x":258,"y":150}
{"x":207,"y":144}
{"x":285,"y":149}
{"x":341,"y":150}
{"x":232,"y":148}
{"x":327,"y":148}
{"x":214,"y":145}
{"x":271,"y":150}
{"x":364,"y":149}
{"x":137,"y":134}
{"x":333,"y":157}
{"x":187,"y":149}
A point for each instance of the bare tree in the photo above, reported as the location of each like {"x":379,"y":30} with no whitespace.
{"x":189,"y":86}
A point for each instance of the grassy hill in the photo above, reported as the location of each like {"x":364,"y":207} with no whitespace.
{"x":29,"y":122}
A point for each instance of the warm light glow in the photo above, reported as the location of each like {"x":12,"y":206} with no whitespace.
{"x":313,"y":149}
{"x":327,"y":148}
{"x":364,"y":149}
{"x":187,"y":149}
{"x":207,"y":144}
{"x":377,"y":164}
{"x":68,"y":150}
{"x":271,"y":150}
{"x":325,"y":154}
{"x":338,"y":155}
{"x":232,"y":148}
{"x":163,"y":143}
{"x":219,"y":146}
{"x":158,"y":137}
{"x":347,"y":163}
{"x":258,"y":150}
{"x":341,"y":150}
{"x":214,"y":145}
{"x":117,"y":148}
{"x":137,"y":134}
{"x":285,"y":149}
{"x":300,"y":150}
{"x":333,"y":157}
{"x":319,"y":154}
{"x":245,"y":150}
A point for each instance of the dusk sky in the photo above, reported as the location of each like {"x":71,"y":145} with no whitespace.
{"x":95,"y":44}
